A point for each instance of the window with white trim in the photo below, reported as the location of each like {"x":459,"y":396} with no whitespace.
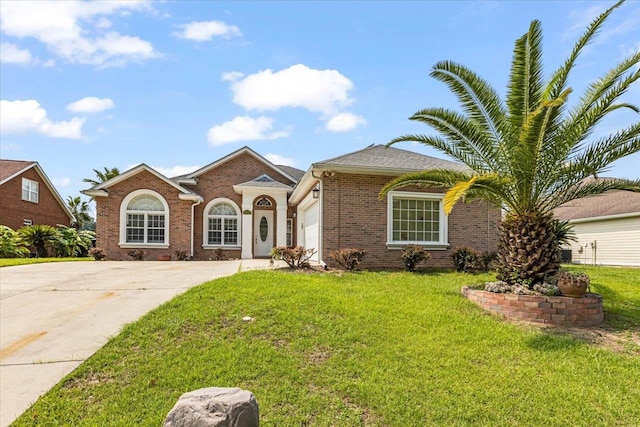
{"x":145,"y":220}
{"x":30,"y":190}
{"x":289,"y":232}
{"x":222,"y":224}
{"x":416,"y":218}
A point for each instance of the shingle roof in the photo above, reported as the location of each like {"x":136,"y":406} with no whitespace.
{"x":264,"y":181}
{"x":613,"y":202}
{"x":11,"y":167}
{"x":294,"y":172}
{"x":381,"y":157}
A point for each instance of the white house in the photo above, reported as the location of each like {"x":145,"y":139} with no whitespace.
{"x":607,"y":228}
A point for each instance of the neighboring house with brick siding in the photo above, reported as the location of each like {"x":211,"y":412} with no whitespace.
{"x":244,"y":205}
{"x":28,"y":197}
{"x":607,"y":228}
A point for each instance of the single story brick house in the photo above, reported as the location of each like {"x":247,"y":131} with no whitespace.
{"x":244,"y":205}
{"x":27,"y":197}
{"x":607,"y":228}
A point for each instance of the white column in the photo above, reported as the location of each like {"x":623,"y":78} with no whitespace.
{"x":281,"y":214}
{"x":247,"y":227}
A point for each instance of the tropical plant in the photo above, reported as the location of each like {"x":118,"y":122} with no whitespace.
{"x":412,"y":255}
{"x":70,"y":242}
{"x":10,"y":245}
{"x":38,"y":236}
{"x":348,"y":258}
{"x":80,"y":210}
{"x":102,"y":176}
{"x":530,"y":153}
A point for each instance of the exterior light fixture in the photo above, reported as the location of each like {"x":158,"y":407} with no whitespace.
{"x":316,"y":192}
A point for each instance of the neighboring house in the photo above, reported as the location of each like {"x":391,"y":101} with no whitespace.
{"x":27,"y":196}
{"x":244,"y":205}
{"x":607,"y":228}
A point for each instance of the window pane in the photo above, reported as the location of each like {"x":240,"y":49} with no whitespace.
{"x":145,"y":202}
{"x":135,"y":228}
{"x":415,"y":220}
{"x":215,"y":234}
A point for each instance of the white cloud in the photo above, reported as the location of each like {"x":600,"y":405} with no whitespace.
{"x":207,"y":30}
{"x":231,"y":76}
{"x":12,"y":54}
{"x":60,"y":182}
{"x":321,"y":91}
{"x":90,"y":104}
{"x":277,"y":159}
{"x":345,"y":122}
{"x":20,"y":117}
{"x":176,"y":170}
{"x":244,"y":128}
{"x":74,"y":30}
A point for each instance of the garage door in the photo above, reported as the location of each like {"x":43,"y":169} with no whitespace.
{"x":311,"y":229}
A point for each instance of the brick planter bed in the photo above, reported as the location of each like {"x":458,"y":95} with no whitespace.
{"x":563,"y":311}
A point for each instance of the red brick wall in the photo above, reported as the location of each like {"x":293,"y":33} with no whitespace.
{"x":355,"y":217}
{"x":219,"y":182}
{"x":565,"y":311}
{"x":108,"y":217}
{"x":14,"y":210}
{"x":215,"y":183}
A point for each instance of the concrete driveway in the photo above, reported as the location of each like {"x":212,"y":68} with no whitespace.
{"x":53,"y":316}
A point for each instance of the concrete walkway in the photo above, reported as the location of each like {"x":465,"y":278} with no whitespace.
{"x":53,"y":316}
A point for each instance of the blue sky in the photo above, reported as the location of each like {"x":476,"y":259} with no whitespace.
{"x":177,"y":85}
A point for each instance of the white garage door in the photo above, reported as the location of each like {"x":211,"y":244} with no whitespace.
{"x":311,"y":229}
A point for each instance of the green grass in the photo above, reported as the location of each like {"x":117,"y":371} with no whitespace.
{"x":366,"y":349}
{"x":9,"y":262}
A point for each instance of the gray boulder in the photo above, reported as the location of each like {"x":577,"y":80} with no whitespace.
{"x":214,"y":406}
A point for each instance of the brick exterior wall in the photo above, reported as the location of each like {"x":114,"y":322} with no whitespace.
{"x":564,"y":311}
{"x":14,"y":210}
{"x":354,"y":217}
{"x":215,"y":183}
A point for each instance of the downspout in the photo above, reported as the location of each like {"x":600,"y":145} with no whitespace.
{"x":193,"y":231}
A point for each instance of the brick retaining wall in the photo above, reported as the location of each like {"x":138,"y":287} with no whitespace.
{"x":563,"y":311}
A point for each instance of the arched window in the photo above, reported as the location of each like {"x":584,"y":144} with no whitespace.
{"x":222,"y":223}
{"x":144,"y":219}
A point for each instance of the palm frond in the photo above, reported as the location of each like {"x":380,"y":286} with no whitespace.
{"x":429,"y":178}
{"x":442,"y":145}
{"x":592,"y":187}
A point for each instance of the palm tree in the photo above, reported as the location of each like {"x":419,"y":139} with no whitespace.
{"x":80,"y":210}
{"x":102,"y":176}
{"x":530,"y":153}
{"x":38,"y":236}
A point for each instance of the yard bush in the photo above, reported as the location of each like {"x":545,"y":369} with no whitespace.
{"x":412,"y":255}
{"x":97,"y":254}
{"x":10,"y":246}
{"x":466,"y":259}
{"x":349,"y":258}
{"x":137,"y":254}
{"x":297,"y":257}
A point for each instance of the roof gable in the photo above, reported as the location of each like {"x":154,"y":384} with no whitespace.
{"x":10,"y":169}
{"x":232,"y":156}
{"x":100,"y":189}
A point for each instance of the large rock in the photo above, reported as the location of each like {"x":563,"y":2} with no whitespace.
{"x":214,"y":406}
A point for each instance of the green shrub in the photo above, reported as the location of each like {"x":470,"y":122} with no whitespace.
{"x":466,"y":259}
{"x":412,"y":255}
{"x":297,"y":257}
{"x":349,"y":258}
{"x":10,"y":245}
{"x":97,"y":254}
{"x":137,"y":254}
{"x":39,"y":236}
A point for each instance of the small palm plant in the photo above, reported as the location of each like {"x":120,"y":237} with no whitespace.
{"x":530,"y":153}
{"x":38,"y":236}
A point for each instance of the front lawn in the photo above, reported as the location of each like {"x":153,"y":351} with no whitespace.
{"x":9,"y":262}
{"x":365,"y":349}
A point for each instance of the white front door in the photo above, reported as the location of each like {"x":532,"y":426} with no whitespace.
{"x":262,"y":233}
